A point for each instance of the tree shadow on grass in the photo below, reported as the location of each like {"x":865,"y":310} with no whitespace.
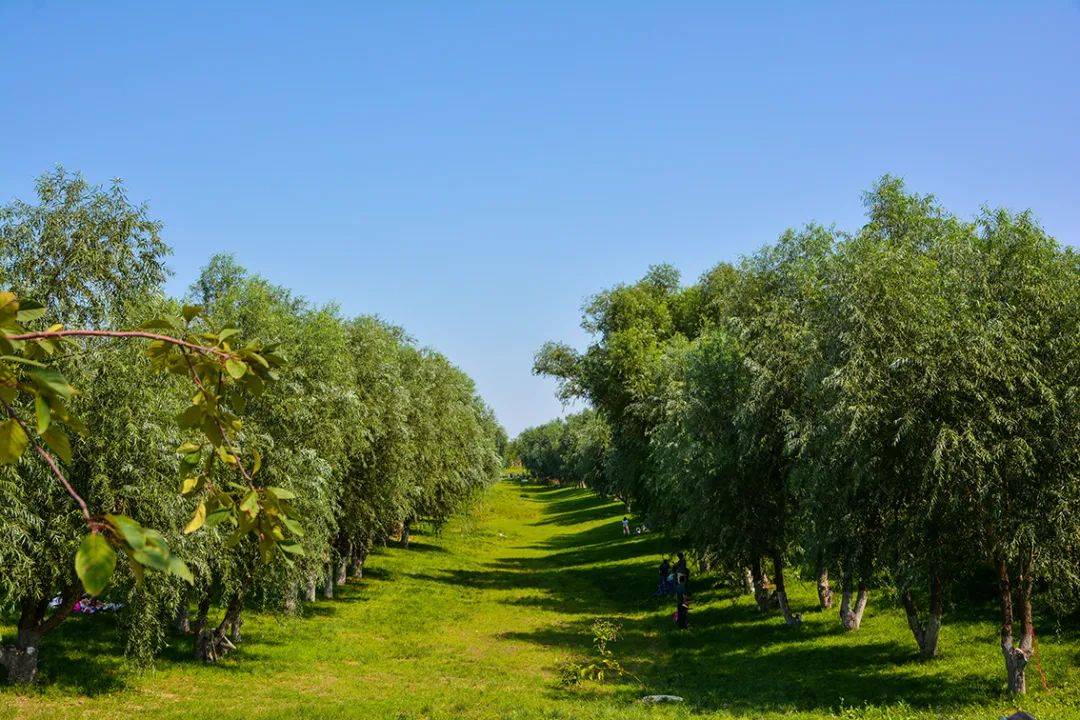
{"x":81,"y":657}
{"x":724,"y":662}
{"x":730,"y":658}
{"x":422,"y":547}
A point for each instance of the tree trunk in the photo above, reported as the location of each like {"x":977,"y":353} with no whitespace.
{"x":211,"y":645}
{"x":234,"y":629}
{"x":405,"y":534}
{"x":851,"y":618}
{"x":21,"y":662}
{"x":291,"y":599}
{"x":183,"y":617}
{"x":926,"y":635}
{"x":824,"y":592}
{"x":781,"y":592}
{"x":342,"y":575}
{"x":328,"y":584}
{"x":358,"y":563}
{"x":21,"y":659}
{"x":202,"y":613}
{"x":748,"y":578}
{"x":1016,"y":657}
{"x":201,"y":635}
{"x":761,"y":590}
{"x":310,"y":593}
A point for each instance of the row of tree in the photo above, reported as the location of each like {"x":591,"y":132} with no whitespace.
{"x":266,"y":495}
{"x":898,"y":407}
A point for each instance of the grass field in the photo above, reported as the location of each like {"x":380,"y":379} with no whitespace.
{"x":477,"y":622}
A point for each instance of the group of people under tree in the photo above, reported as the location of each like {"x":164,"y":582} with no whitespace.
{"x":676,"y":579}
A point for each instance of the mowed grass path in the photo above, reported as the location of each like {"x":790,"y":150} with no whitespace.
{"x":476,"y":622}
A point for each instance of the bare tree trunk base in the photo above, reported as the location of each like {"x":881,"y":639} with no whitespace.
{"x":328,"y":587}
{"x":212,"y":645}
{"x":21,"y":663}
{"x":851,"y":617}
{"x":824,"y":592}
{"x":790,"y":618}
{"x":1016,"y":660}
{"x":183,"y":618}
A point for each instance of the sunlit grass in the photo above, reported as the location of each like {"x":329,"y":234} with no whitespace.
{"x":476,"y":622}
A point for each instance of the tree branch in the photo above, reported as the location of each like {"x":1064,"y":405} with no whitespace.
{"x":195,"y":347}
{"x":55,"y":468}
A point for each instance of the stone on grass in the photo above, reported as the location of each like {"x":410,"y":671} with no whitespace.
{"x":661,"y":699}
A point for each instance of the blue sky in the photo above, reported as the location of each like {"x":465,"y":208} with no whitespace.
{"x":475,"y":170}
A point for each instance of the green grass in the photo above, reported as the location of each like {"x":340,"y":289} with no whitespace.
{"x":477,"y":622}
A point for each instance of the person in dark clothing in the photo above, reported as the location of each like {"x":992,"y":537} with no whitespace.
{"x":665,"y":570}
{"x":681,"y":620}
{"x":682,"y":573}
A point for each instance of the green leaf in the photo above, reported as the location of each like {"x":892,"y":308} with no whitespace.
{"x":13,"y":441}
{"x":161,"y":324}
{"x":180,"y":569}
{"x":132,"y":532}
{"x":294,"y":527}
{"x":190,"y":312}
{"x":188,"y":448}
{"x":52,"y":381}
{"x":58,"y":442}
{"x":22,"y":361}
{"x":237,"y":368}
{"x":225,"y":456}
{"x":256,"y":461}
{"x":190,"y":417}
{"x":250,"y":503}
{"x":291,"y":547}
{"x":29,"y":311}
{"x":214,"y":519}
{"x":94,"y":563}
{"x":155,"y":553}
{"x":281,"y":493}
{"x":227,"y":333}
{"x":43,"y":413}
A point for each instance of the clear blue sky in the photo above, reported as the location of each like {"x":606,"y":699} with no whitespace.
{"x":474,"y":170}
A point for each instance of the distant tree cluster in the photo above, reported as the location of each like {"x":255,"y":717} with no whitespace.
{"x":897,"y":407}
{"x":246,"y":472}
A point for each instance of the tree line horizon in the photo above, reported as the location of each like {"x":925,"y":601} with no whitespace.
{"x":896,"y":407}
{"x":237,"y":447}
